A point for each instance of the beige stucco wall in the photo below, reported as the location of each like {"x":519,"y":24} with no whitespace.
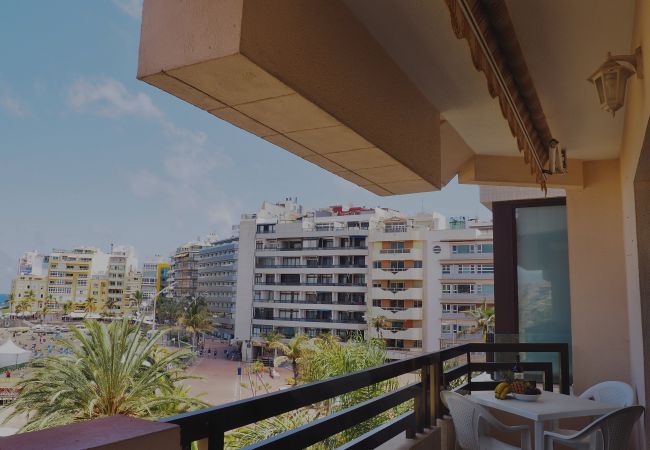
{"x":637,"y":114}
{"x":599,"y":319}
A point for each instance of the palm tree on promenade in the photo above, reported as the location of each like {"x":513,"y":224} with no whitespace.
{"x":136,"y":300}
{"x":110,"y":304}
{"x":113,"y":369}
{"x":484,"y":317}
{"x":67,"y":308}
{"x":196,"y":318}
{"x":271,"y":338}
{"x":89,"y":305}
{"x":379,"y":323}
{"x":293,"y":351}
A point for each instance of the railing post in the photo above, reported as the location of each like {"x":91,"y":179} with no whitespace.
{"x":426,"y":394}
{"x":435,"y":385}
{"x":564,"y":369}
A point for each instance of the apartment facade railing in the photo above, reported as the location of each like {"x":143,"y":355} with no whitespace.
{"x":213,"y":423}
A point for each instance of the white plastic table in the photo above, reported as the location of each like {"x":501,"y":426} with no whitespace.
{"x":548,"y":407}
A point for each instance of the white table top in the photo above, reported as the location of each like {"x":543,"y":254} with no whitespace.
{"x":549,"y":406}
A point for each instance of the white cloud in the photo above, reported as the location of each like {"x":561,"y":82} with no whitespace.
{"x":110,"y":98}
{"x":12,"y":105}
{"x":132,"y":8}
{"x":190,"y":168}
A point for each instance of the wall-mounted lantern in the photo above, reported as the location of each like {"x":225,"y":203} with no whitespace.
{"x":611,"y":79}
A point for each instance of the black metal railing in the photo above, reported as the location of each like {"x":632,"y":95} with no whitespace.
{"x":213,"y":423}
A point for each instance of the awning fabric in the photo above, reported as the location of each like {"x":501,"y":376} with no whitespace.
{"x":495,"y":51}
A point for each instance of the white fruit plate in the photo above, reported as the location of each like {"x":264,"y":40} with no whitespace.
{"x":526,"y":398}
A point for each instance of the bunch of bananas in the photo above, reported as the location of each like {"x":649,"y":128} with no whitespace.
{"x":502,"y":390}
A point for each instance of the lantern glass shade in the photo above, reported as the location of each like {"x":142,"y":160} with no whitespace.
{"x":610,"y":81}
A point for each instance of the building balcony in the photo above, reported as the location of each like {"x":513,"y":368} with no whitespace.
{"x":471,"y":256}
{"x":397,"y":293}
{"x":461,"y":337}
{"x":304,"y":287}
{"x":412,"y":334}
{"x":397,"y":274}
{"x":308,"y":269}
{"x":397,"y":254}
{"x":467,"y":276}
{"x":468,"y":298}
{"x":305,"y":304}
{"x":456,"y":316}
{"x":302,"y":322}
{"x":396,"y":313}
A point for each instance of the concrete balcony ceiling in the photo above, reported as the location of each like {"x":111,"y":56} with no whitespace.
{"x":382,"y":92}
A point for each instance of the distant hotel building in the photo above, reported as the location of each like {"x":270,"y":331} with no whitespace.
{"x":217,"y":283}
{"x":424,"y":278}
{"x":184,"y":272}
{"x":307,"y":272}
{"x":155,"y":277}
{"x":77,"y":275}
{"x":70,"y":271}
{"x":408,"y":280}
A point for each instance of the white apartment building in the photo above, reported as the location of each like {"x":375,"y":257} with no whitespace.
{"x":122,"y":265}
{"x":33,"y":263}
{"x":424,"y":277}
{"x":308,"y":274}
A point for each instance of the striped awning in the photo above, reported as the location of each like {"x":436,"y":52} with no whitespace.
{"x":495,"y":51}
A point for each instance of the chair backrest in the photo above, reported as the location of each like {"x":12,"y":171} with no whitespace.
{"x":465,"y":415}
{"x":615,"y":427}
{"x":611,"y":392}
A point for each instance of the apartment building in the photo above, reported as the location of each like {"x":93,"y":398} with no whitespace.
{"x":69,"y":272}
{"x":155,"y":274}
{"x":308,"y":274}
{"x":185,"y":270}
{"x":98,"y":291}
{"x":121,"y":274}
{"x":33,"y":263}
{"x":421,"y":285}
{"x":30,"y":286}
{"x":466,"y":264}
{"x":217,"y":283}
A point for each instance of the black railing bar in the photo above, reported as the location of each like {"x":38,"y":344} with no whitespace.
{"x":456,"y":373}
{"x":332,"y":424}
{"x":247,"y":411}
{"x":454,"y":352}
{"x":547,"y":368}
{"x":516,"y":347}
{"x":374,"y":438}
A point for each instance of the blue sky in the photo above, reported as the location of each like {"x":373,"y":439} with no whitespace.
{"x":92,"y":156}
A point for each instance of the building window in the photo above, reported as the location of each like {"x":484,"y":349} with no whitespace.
{"x":376,"y":264}
{"x":446,"y":269}
{"x":417,"y":264}
{"x":436,"y":249}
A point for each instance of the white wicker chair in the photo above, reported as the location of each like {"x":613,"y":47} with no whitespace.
{"x":609,"y":432}
{"x":611,"y":392}
{"x":472,"y":422}
{"x":614,"y":393}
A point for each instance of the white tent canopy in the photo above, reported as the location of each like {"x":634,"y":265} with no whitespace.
{"x":11,"y":354}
